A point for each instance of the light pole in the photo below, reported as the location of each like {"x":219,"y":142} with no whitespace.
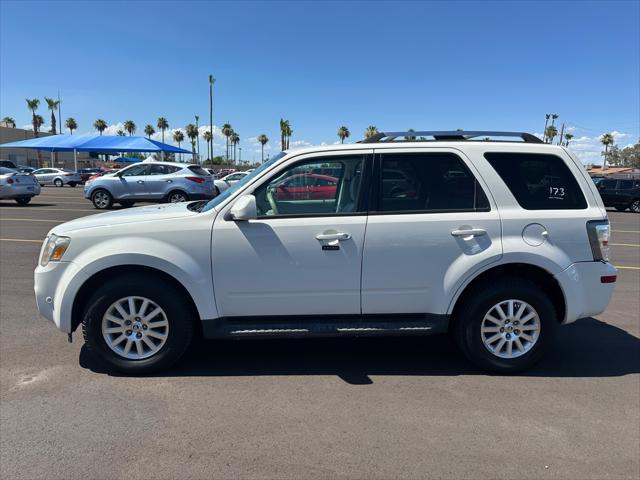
{"x":198,"y":144}
{"x":239,"y":155}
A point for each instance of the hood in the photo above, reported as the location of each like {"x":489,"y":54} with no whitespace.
{"x":128,"y":215}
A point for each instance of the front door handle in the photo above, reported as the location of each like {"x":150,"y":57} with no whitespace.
{"x":140,"y":181}
{"x":169,"y":181}
{"x":469,"y":232}
{"x":340,"y":236}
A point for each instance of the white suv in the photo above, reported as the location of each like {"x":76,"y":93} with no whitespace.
{"x":494,"y":237}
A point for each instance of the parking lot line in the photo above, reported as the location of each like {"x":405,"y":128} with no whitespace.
{"x":624,"y":244}
{"x":20,"y":240}
{"x":626,"y":268}
{"x":625,"y":231}
{"x":32,"y":220}
{"x":47,"y":209}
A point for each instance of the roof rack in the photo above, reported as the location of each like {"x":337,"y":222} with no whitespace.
{"x":440,"y":136}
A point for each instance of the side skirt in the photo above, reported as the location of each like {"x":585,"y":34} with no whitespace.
{"x":325,"y":326}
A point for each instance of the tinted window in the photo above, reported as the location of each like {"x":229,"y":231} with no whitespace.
{"x":197,"y":170}
{"x":607,"y":184}
{"x":135,"y":170}
{"x":296,"y":191}
{"x":424,"y":182}
{"x":538,"y":181}
{"x":625,"y":184}
{"x":162,"y":169}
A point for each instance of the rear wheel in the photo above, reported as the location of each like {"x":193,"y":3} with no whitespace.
{"x":621,"y":209}
{"x":137,"y":324}
{"x":23,"y":200}
{"x":102,"y":199}
{"x":58,"y":183}
{"x":635,"y":206}
{"x":506,"y":327}
{"x":177,"y":196}
{"x":72,"y":184}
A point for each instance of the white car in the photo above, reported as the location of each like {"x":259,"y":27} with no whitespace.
{"x":496,"y":242}
{"x":225,"y":182}
{"x":21,"y":187}
{"x":57,"y":176}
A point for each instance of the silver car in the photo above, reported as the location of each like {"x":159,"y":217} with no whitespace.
{"x":57,"y":176}
{"x":150,"y":182}
{"x":17,"y":186}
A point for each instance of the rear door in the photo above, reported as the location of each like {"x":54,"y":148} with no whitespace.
{"x":430,"y":221}
{"x":607,"y":189}
{"x":160,"y":180}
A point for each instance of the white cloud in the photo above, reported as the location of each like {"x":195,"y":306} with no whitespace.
{"x":588,"y":149}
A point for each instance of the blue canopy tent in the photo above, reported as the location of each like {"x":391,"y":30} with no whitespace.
{"x":93,"y":143}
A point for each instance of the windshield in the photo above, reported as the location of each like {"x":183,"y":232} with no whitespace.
{"x":241,"y":183}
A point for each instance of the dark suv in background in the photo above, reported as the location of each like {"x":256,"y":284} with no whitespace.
{"x":621,"y":193}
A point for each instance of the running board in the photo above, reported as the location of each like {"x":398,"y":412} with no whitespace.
{"x":324,"y":326}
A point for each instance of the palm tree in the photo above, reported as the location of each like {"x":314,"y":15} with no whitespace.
{"x":162,"y":125}
{"x":567,"y":137}
{"x":553,"y":118}
{"x":343,"y":132}
{"x":130,"y":127}
{"x":285,"y":129}
{"x":370,"y":131}
{"x":263,"y":139}
{"x":100,"y":125}
{"x":606,"y":140}
{"x":211,"y":82}
{"x":149,"y":130}
{"x":33,"y":104}
{"x":38,"y":122}
{"x":235,"y":140}
{"x":178,"y":137}
{"x":227,"y":130}
{"x":192,"y":133}
{"x":207,"y":138}
{"x":9,"y":121}
{"x":410,"y":138}
{"x":52,"y":105}
{"x":547,"y":116}
{"x":120,"y":133}
{"x":71,"y":124}
{"x":550,"y":133}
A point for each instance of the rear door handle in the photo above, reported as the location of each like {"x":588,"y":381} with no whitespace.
{"x":140,"y":181}
{"x":169,"y":181}
{"x":340,"y":236}
{"x":469,"y":232}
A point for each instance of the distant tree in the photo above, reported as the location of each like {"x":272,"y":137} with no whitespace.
{"x":71,"y":124}
{"x":567,"y":137}
{"x":235,"y":140}
{"x":9,"y":121}
{"x":149,"y":130}
{"x":630,"y":156}
{"x":370,"y":131}
{"x":606,"y":140}
{"x":198,"y":139}
{"x":285,"y":133}
{"x":33,"y":104}
{"x":178,"y":137}
{"x":343,"y":132}
{"x":211,"y":82}
{"x":546,"y":122}
{"x":410,"y":138}
{"x":162,"y":125}
{"x":130,"y":127}
{"x":227,"y":130}
{"x":192,"y":133}
{"x":551,"y":133}
{"x":52,"y":105}
{"x":100,"y":125}
{"x":39,"y":122}
{"x":206,"y":136}
{"x":263,"y":139}
{"x":120,"y":133}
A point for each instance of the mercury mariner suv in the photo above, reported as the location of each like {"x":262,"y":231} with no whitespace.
{"x":494,"y":237}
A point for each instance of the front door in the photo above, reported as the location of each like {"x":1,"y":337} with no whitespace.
{"x":429,"y":221}
{"x":303,"y":254}
{"x":131,"y":184}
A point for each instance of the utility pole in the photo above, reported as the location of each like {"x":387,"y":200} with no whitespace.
{"x":561,"y":133}
{"x":211,"y":82}
{"x":240,"y":155}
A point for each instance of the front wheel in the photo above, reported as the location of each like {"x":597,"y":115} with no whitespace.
{"x":506,"y":327}
{"x":635,"y":206}
{"x":137,"y":324}
{"x":58,"y":183}
{"x":102,"y":199}
{"x":23,"y":200}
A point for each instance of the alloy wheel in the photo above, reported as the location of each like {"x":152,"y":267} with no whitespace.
{"x":101,"y":199}
{"x":177,"y":198}
{"x":635,"y":206}
{"x":510,"y":328}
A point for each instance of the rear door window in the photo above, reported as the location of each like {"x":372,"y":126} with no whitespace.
{"x":538,"y":181}
{"x":625,"y":184}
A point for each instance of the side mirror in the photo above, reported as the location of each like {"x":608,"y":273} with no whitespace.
{"x":244,"y":208}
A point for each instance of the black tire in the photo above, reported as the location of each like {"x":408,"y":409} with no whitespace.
{"x":102,"y":199}
{"x":470,"y":314}
{"x":127,"y":204}
{"x":72,"y":184}
{"x":635,"y":206}
{"x":23,"y":200}
{"x":58,"y":183}
{"x":166,"y":296}
{"x":173,"y":195}
{"x":621,"y":209}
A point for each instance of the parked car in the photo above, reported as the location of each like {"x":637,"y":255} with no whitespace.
{"x":150,"y":182}
{"x":225,"y":182}
{"x":8,"y":164}
{"x":620,"y":193}
{"x":308,"y":186}
{"x":25,"y":169}
{"x":498,"y":256}
{"x":21,"y":187}
{"x":57,"y":176}
{"x":87,"y":173}
{"x":102,"y":172}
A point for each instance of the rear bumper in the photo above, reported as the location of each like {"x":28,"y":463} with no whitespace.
{"x":584,"y":291}
{"x":7,"y":193}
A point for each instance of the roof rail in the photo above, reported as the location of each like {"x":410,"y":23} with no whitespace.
{"x":440,"y":136}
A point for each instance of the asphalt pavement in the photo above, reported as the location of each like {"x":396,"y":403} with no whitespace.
{"x":334,"y":408}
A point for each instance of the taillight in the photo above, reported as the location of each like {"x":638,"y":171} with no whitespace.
{"x":195,"y":179}
{"x":68,"y":174}
{"x":599,"y":232}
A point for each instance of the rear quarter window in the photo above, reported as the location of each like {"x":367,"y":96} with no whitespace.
{"x":198,"y":170}
{"x":538,"y":181}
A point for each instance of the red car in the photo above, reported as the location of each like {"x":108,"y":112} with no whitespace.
{"x":307,"y":186}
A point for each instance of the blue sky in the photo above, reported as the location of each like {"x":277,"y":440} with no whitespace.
{"x":425,"y":65}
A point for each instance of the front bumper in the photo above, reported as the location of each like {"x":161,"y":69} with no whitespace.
{"x":585,"y":294}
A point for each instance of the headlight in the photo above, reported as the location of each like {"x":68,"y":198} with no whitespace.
{"x":54,"y":248}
